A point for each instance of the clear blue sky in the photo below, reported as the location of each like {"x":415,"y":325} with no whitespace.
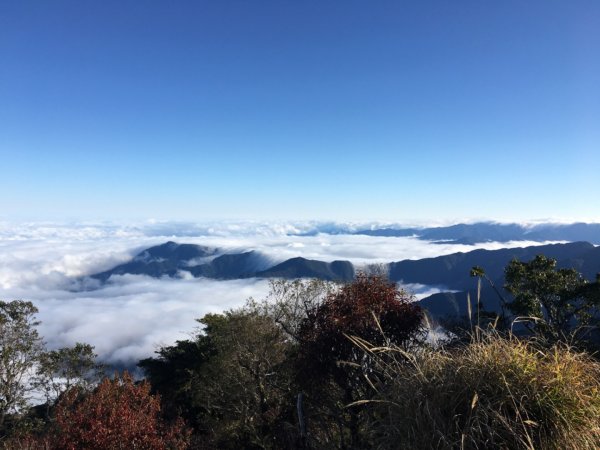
{"x":320,"y":109}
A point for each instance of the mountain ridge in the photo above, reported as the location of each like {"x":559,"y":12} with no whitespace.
{"x":494,"y":232}
{"x":451,"y":272}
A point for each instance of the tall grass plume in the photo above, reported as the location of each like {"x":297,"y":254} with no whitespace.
{"x":494,"y":392}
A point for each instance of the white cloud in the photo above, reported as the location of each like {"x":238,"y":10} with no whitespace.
{"x":420,"y":291}
{"x":127,"y":319}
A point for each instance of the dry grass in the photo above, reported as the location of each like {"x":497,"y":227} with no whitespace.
{"x":491,"y":393}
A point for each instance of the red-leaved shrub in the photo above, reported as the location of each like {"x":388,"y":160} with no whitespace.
{"x":119,"y":414}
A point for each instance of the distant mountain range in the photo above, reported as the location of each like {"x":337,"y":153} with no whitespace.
{"x":170,"y":259}
{"x":161,"y":260}
{"x":448,"y":272}
{"x":452,"y":271}
{"x":495,"y":232}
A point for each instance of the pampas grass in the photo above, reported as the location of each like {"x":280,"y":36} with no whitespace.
{"x":494,"y":392}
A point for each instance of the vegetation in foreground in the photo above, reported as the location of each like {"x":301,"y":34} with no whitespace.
{"x":494,"y":392}
{"x":318,"y":365}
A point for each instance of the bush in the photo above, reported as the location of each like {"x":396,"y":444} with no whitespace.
{"x":491,"y":393}
{"x":562,"y":301}
{"x":118,"y":414}
{"x":370,"y":307}
{"x":232,"y":384}
{"x":331,"y":370}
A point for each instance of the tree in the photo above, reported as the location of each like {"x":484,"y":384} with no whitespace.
{"x":247,"y":382}
{"x":20,"y":348}
{"x":371,"y":308}
{"x":174,"y":374}
{"x":558,"y":300}
{"x":118,"y":414}
{"x":62,"y":369}
{"x":330,"y":365}
{"x":289,"y":302}
{"x":231,"y":383}
{"x":27,"y":371}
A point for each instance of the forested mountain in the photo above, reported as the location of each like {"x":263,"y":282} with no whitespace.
{"x":450,"y":273}
{"x":160,"y":260}
{"x":170,"y":259}
{"x":308,"y":268}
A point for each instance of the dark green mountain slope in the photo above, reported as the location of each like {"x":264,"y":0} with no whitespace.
{"x":165,"y":259}
{"x":309,"y":268}
{"x":452,"y":271}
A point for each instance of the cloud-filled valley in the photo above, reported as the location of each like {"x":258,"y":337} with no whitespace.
{"x":129,"y":317}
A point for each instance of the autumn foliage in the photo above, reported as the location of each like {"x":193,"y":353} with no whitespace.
{"x":371,"y":308}
{"x":119,"y":414}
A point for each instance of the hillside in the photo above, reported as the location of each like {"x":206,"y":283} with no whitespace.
{"x":450,"y":273}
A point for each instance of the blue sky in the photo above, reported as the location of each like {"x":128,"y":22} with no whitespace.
{"x":339,"y":110}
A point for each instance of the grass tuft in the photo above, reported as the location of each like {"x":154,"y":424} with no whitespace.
{"x":492,"y":393}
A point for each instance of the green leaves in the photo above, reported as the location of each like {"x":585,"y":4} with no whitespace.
{"x":561,"y":300}
{"x":62,"y":369}
{"x":477,"y":271}
{"x":20,"y":347}
{"x":231,"y":382}
{"x":26,"y":368}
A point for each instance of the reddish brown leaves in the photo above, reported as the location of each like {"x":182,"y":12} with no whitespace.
{"x":118,"y":414}
{"x":355,"y":311}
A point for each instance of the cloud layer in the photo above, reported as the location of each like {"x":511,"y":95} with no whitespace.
{"x":129,"y":318}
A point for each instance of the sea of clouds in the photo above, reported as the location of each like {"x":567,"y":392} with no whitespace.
{"x":127,"y":319}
